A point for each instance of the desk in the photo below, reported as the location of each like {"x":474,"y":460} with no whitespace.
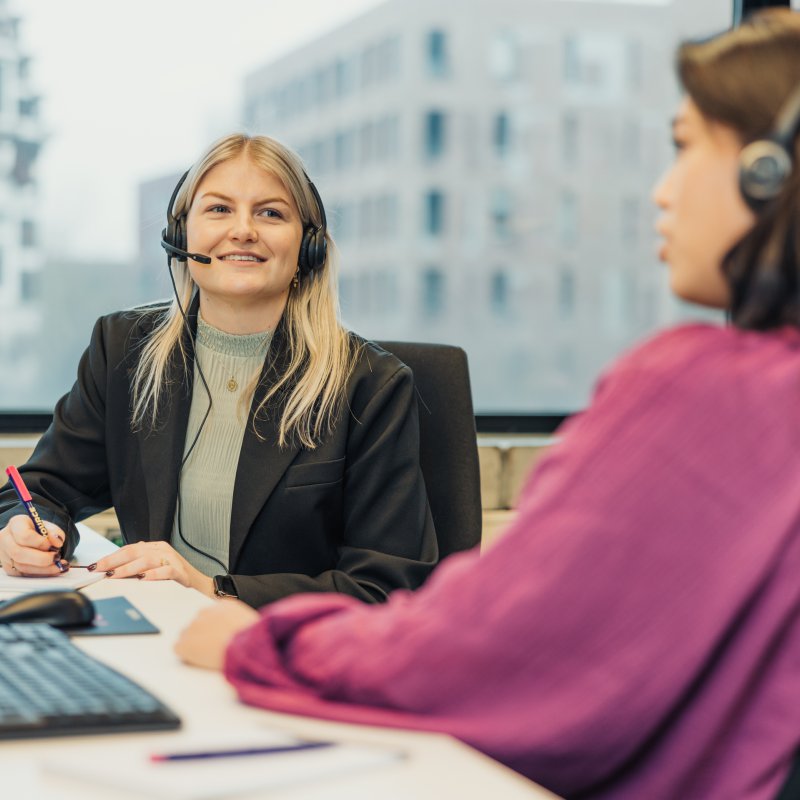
{"x":437,"y":766}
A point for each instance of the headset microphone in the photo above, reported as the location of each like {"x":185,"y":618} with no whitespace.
{"x":182,"y":255}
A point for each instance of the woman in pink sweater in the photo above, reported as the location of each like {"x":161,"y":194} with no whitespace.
{"x":636,"y":632}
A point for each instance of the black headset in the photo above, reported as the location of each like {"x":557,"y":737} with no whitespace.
{"x":313,"y":247}
{"x":766,"y":164}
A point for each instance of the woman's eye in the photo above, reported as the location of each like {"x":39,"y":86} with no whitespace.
{"x":218,"y":209}
{"x":678,"y":144}
{"x":271,"y":213}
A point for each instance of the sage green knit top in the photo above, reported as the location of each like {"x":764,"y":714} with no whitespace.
{"x":231,"y":364}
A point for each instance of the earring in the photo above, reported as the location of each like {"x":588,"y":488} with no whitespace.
{"x":296,"y":279}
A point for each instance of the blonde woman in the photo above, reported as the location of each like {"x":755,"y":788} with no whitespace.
{"x":250,"y":445}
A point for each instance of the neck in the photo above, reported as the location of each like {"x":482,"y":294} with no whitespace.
{"x":242,"y":318}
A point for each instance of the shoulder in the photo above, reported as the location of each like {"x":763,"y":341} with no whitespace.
{"x":375,"y":370}
{"x":136,"y":322}
{"x":699,"y":363}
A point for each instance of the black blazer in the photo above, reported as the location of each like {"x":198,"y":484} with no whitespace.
{"x":350,"y":516}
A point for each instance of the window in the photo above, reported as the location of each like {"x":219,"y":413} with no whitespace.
{"x":568,"y":219}
{"x":566,"y":293}
{"x":501,"y":134}
{"x":434,"y":213}
{"x":501,"y":213}
{"x":437,"y":54}
{"x":569,"y":138}
{"x":499,"y":293}
{"x":433,"y":285}
{"x":30,"y":285}
{"x":28,"y":233}
{"x":434,"y":134}
{"x":523,"y":200}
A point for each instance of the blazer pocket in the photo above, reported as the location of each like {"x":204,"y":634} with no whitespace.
{"x":316,"y":473}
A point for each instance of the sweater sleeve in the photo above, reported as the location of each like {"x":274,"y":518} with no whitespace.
{"x":565,"y":647}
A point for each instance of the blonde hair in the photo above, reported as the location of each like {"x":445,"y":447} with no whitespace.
{"x":320,"y":355}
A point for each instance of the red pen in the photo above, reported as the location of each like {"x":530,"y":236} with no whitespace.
{"x":25,"y":498}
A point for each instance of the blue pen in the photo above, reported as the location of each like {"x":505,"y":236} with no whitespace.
{"x":250,"y":751}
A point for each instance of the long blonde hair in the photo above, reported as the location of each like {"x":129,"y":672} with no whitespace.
{"x":319,"y":352}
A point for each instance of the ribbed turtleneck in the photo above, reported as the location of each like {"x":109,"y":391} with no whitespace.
{"x":230,"y":364}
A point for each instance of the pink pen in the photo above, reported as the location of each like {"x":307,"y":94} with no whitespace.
{"x":25,"y":498}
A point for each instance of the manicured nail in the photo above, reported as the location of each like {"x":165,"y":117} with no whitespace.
{"x":109,"y":573}
{"x":52,"y":549}
{"x":63,"y":566}
{"x":140,"y":576}
{"x":92,"y":567}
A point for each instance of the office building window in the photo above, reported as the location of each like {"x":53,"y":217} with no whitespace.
{"x":434,"y":134}
{"x":366,"y":218}
{"x":504,"y":56}
{"x":344,"y":149}
{"x":344,"y":77}
{"x":629,"y":213}
{"x":367,"y":138}
{"x":387,"y":138}
{"x":572,"y":61}
{"x":501,"y":134}
{"x":570,"y":146}
{"x":631,"y":143}
{"x":501,"y":212}
{"x":28,"y":233}
{"x":388,"y":56}
{"x":433,"y":291}
{"x":499,"y":293}
{"x":568,"y":218}
{"x":386,"y":216}
{"x":436,"y":54}
{"x":368,"y":66}
{"x":434,"y":213}
{"x":30,"y":285}
{"x":566,"y":293}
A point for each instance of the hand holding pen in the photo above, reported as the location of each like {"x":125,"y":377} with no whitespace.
{"x":30,"y":546}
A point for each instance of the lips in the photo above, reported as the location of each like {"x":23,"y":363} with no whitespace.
{"x":251,"y":258}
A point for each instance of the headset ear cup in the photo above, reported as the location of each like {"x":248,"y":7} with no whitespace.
{"x":764,"y":168}
{"x":303,"y":260}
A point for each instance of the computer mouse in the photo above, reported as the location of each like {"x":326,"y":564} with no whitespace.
{"x":62,"y":609}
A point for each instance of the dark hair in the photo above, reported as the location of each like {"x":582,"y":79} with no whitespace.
{"x":741,"y":78}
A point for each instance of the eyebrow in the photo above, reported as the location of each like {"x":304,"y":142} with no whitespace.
{"x":267,"y":201}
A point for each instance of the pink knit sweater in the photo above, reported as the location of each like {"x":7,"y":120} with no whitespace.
{"x":636,"y":632}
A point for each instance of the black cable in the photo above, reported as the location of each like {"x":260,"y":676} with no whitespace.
{"x":196,"y":361}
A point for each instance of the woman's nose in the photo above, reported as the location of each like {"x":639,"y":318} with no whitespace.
{"x":243,"y":229}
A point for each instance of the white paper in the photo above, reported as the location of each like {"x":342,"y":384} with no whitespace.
{"x":11,"y":586}
{"x":202,"y":779}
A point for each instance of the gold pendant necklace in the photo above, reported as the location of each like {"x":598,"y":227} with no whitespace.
{"x":232,"y":385}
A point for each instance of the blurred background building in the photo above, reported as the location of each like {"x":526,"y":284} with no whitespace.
{"x":486,"y":166}
{"x":21,"y":257}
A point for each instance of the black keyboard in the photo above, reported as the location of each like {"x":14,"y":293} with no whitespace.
{"x":49,"y":687}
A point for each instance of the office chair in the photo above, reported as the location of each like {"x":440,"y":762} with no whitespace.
{"x":791,"y":786}
{"x":448,"y":444}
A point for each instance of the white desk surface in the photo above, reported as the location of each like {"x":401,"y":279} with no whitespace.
{"x":437,"y":766}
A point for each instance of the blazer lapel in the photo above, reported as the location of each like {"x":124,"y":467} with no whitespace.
{"x":261,"y":462}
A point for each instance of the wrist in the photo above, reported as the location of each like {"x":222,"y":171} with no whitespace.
{"x":203,"y":584}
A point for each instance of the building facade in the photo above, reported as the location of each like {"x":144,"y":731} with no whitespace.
{"x":21,"y":255}
{"x":487,"y":168}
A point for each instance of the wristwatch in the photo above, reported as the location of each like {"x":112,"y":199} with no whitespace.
{"x":224,"y":586}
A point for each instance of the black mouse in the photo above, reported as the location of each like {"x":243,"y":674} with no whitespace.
{"x":55,"y":607}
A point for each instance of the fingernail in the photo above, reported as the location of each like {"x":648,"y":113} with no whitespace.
{"x":93,"y":567}
{"x":109,"y":573}
{"x":63,"y":566}
{"x":52,"y":549}
{"x":140,"y":576}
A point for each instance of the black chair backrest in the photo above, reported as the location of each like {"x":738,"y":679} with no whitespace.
{"x":448,"y":443}
{"x":791,"y":786}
